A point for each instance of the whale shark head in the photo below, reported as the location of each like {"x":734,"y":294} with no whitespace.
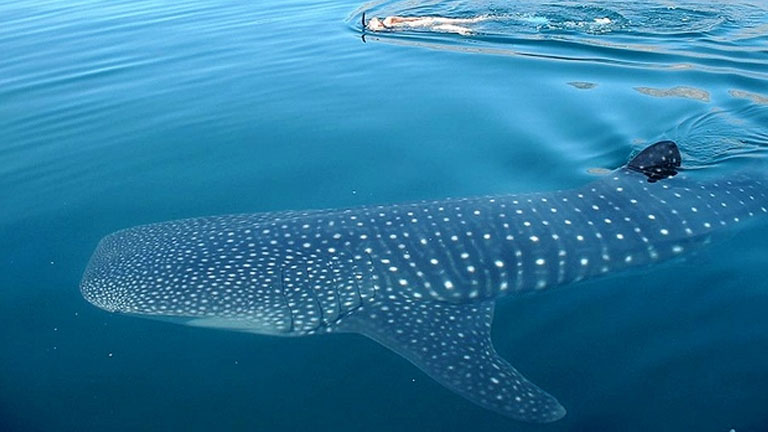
{"x":168,"y":272}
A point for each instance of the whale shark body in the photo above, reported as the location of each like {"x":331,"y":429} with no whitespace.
{"x":420,"y":278}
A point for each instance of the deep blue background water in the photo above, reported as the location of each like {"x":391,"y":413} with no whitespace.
{"x":114,"y":114}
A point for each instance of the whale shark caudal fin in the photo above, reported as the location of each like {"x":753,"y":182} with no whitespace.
{"x":658,"y":161}
{"x":452,"y":344}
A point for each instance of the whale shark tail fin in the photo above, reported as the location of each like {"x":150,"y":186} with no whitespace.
{"x":452,"y":344}
{"x":658,"y":161}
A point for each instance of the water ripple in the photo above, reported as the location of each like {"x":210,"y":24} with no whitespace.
{"x":706,"y":35}
{"x":723,"y":134}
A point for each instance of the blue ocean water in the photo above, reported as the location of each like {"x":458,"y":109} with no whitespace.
{"x":114,"y":114}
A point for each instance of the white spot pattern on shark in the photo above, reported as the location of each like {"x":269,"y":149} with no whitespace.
{"x":420,"y":278}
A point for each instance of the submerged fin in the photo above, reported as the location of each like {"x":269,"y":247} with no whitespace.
{"x":452,"y":344}
{"x":658,"y":161}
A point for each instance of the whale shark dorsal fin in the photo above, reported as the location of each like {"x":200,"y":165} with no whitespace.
{"x":452,"y":344}
{"x":658,"y":161}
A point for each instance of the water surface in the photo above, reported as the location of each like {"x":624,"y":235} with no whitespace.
{"x":114,"y":114}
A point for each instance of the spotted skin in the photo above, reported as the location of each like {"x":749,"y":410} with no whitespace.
{"x":419,"y":278}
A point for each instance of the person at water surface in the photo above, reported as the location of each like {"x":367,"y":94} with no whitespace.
{"x":458,"y":25}
{"x":436,"y":23}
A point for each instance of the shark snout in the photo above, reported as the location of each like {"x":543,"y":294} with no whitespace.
{"x":101,"y":282}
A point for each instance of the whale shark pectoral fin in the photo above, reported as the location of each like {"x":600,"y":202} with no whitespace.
{"x":657,"y":161}
{"x":452,"y":344}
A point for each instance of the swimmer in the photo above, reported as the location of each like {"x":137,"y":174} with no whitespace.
{"x":435,"y":23}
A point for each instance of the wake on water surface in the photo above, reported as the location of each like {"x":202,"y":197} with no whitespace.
{"x":716,"y":35}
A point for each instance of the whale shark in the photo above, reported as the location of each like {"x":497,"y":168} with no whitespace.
{"x":420,"y":278}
